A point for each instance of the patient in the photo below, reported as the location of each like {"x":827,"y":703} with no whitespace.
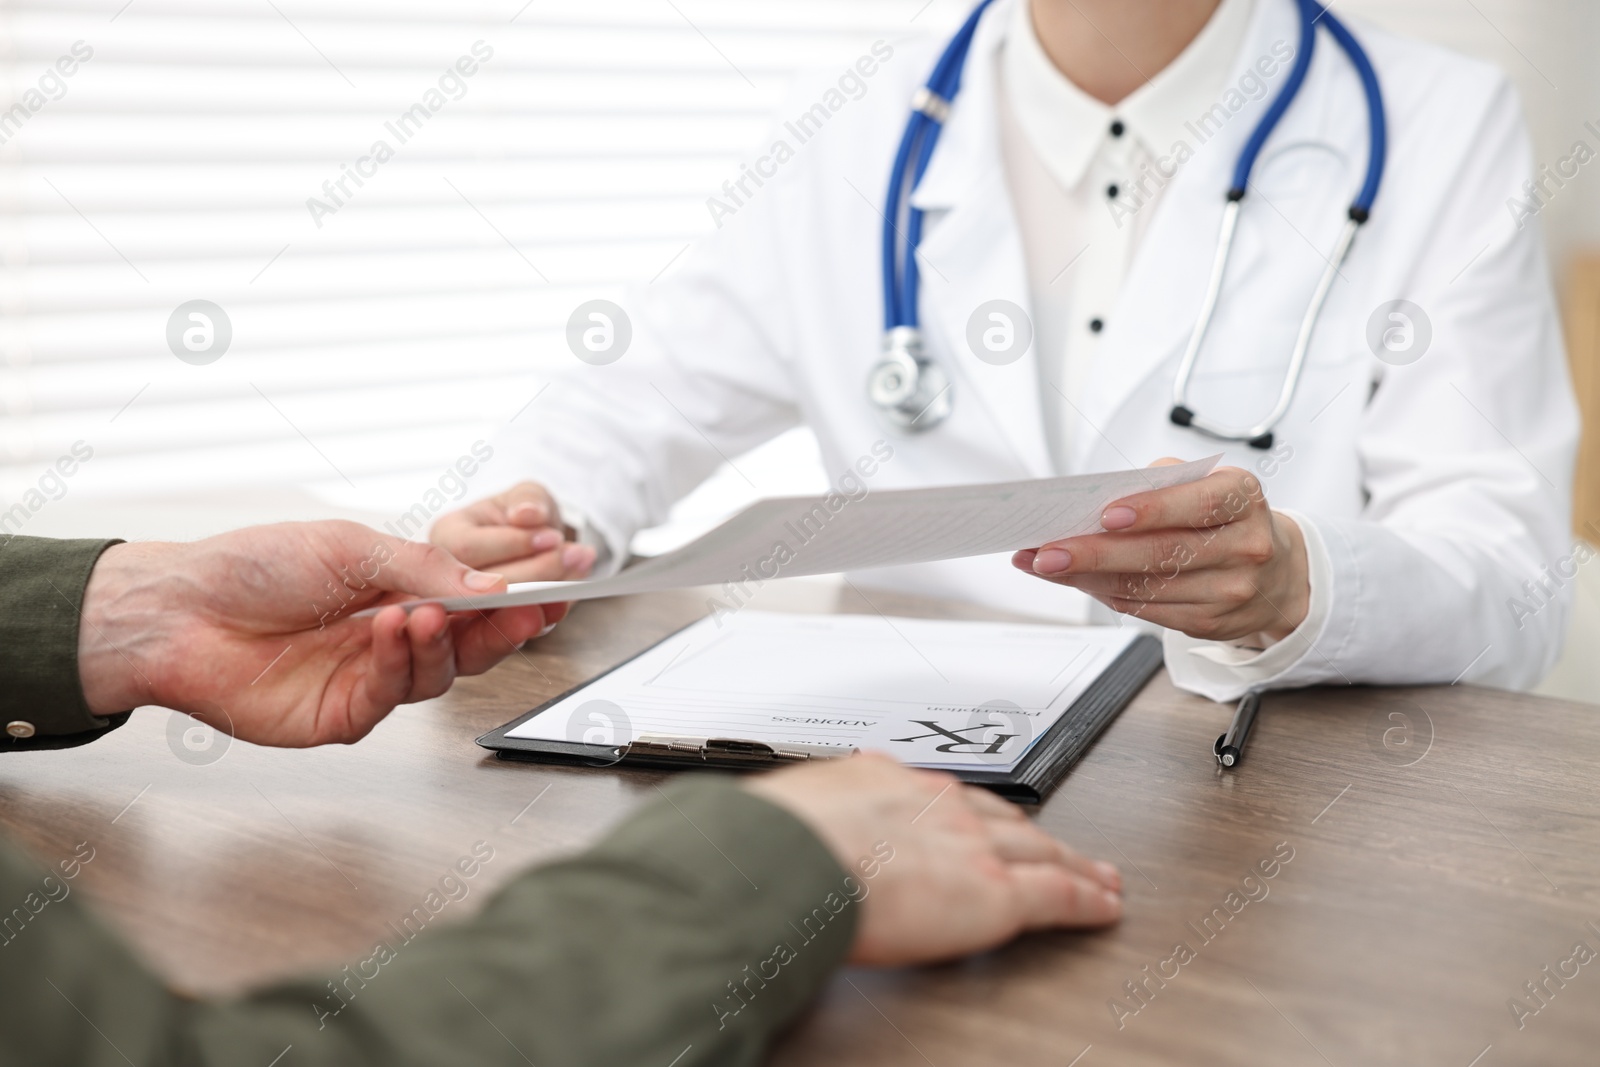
{"x":689,"y":935}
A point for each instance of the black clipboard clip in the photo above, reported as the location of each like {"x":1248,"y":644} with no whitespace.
{"x":729,"y":751}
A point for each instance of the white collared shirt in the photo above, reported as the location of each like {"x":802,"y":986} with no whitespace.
{"x":1085,"y":178}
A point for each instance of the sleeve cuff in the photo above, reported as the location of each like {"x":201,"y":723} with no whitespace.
{"x":1223,"y":671}
{"x":42,"y":583}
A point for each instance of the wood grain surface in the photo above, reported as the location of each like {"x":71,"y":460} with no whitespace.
{"x":1431,"y":851}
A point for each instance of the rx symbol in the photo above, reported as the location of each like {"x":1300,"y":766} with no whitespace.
{"x":957,"y":737}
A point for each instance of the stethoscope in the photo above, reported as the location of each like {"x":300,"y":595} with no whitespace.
{"x":913,"y":391}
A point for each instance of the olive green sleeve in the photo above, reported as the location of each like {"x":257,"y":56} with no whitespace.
{"x":41,"y":600}
{"x":689,"y":936}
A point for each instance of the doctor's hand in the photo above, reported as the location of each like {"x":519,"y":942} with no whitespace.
{"x":253,"y":633}
{"x":517,"y":533}
{"x":946,"y":869}
{"x":1209,"y":559}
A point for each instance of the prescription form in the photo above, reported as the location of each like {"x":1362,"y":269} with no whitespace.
{"x":931,"y":693}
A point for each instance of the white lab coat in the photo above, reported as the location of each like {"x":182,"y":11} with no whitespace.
{"x":1430,"y":492}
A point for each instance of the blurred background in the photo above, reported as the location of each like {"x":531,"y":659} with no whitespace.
{"x":378,"y":335}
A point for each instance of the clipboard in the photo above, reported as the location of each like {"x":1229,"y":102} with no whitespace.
{"x":1033,"y":777}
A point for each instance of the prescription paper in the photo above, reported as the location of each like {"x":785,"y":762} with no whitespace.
{"x":931,"y":693}
{"x":792,"y":537}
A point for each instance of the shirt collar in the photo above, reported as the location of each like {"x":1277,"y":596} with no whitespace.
{"x":1066,"y":126}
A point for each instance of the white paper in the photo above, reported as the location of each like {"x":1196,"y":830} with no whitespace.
{"x":871,"y":682}
{"x":791,"y":537}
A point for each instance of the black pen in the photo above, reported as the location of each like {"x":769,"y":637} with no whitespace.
{"x":1229,"y":748}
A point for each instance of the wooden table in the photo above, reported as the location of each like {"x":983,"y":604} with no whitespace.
{"x":1445,"y":848}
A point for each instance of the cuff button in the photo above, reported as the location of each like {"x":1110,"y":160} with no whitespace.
{"x":20,"y":729}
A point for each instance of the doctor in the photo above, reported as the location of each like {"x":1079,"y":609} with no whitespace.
{"x":1398,"y":524}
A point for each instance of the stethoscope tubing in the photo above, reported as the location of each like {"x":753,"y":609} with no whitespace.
{"x":1260,"y":434}
{"x":902,"y":229}
{"x":901,"y":277}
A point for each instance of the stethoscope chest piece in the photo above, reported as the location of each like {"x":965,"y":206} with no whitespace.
{"x":912,"y":391}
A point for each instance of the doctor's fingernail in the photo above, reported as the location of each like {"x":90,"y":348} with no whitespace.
{"x":574,"y":557}
{"x":545,"y":540}
{"x":481,"y":582}
{"x":1052,"y":561}
{"x":529,"y":513}
{"x":546,"y":631}
{"x":1110,"y":877}
{"x":1118,"y":518}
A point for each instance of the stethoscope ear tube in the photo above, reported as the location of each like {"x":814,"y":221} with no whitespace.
{"x":1260,"y":435}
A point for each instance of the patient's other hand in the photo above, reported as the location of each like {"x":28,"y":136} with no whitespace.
{"x":957,"y":869}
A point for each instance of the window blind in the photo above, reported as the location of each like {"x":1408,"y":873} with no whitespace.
{"x":541,"y":154}
{"x":175,"y":161}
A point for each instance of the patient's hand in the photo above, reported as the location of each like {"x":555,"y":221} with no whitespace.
{"x":967,"y":871}
{"x":517,"y":533}
{"x":252,"y":631}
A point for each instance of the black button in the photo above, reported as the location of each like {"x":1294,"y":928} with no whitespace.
{"x":1112,"y":191}
{"x":1117,"y":128}
{"x":1096,"y":325}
